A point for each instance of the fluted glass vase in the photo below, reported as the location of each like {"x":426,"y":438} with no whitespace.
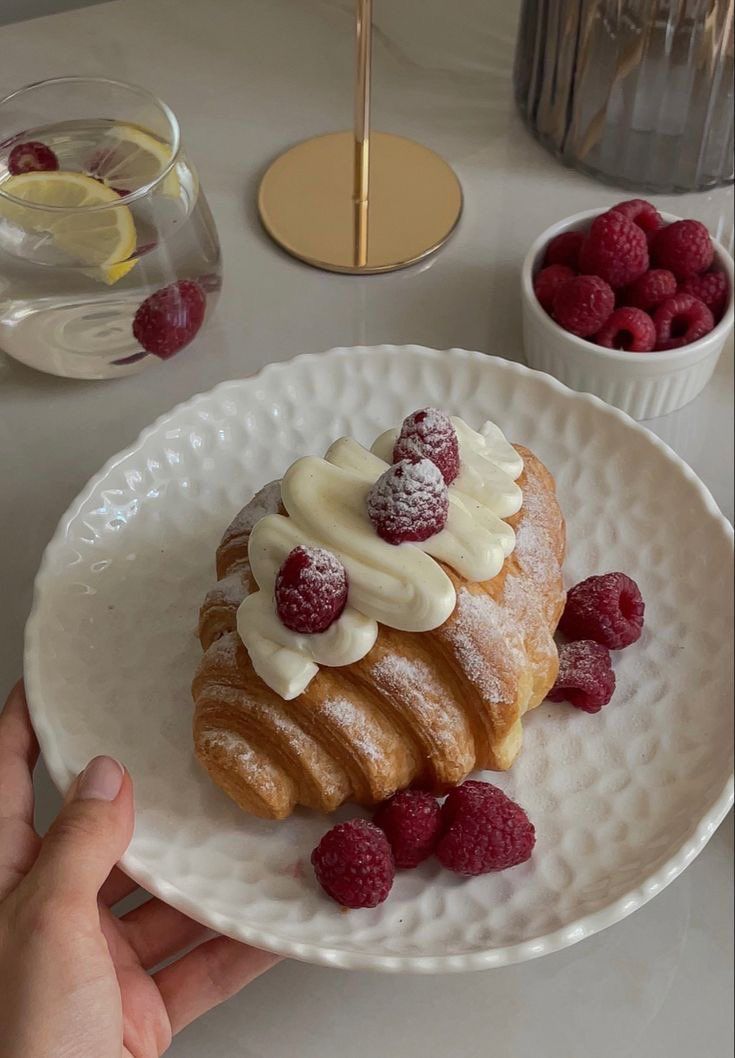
{"x":636,"y":92}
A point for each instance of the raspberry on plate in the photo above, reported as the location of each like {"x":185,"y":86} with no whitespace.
{"x":642,"y":213}
{"x":586,"y":679}
{"x":483,"y":830}
{"x":170,"y":318}
{"x":311,"y":590}
{"x":607,"y":608}
{"x":615,"y":249}
{"x":32,"y":157}
{"x":681,"y":320}
{"x":564,"y":249}
{"x":409,"y":502}
{"x":712,"y":288}
{"x":650,"y":289}
{"x":629,"y":329}
{"x":354,"y":865}
{"x":472,"y":794}
{"x":547,"y":282}
{"x":429,"y":434}
{"x":684,"y":247}
{"x":583,"y":304}
{"x":410,"y":821}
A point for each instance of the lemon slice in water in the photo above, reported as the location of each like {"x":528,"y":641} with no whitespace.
{"x":129,"y":158}
{"x":100,"y":240}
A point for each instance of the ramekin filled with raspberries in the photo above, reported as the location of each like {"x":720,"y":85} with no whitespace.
{"x":628,"y":303}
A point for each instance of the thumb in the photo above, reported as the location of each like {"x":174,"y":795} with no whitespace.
{"x":90,"y":834}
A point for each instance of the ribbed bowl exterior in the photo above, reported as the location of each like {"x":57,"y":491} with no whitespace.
{"x":638,"y":93}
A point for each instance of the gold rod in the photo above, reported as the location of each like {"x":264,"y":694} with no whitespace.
{"x":364,"y":28}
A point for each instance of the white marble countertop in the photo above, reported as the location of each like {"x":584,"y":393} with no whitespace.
{"x":246,"y":78}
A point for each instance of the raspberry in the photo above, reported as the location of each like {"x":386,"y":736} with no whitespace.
{"x":547,"y":282}
{"x":684,"y":247}
{"x":354,"y":865}
{"x":429,"y":434}
{"x":170,"y":318}
{"x":410,"y":821}
{"x":409,"y":502}
{"x":483,"y":830}
{"x":311,"y":590}
{"x":472,"y":794}
{"x":712,"y":288}
{"x":642,"y":213}
{"x":564,"y":250}
{"x":583,"y":304}
{"x":607,"y":608}
{"x":615,"y":249}
{"x":650,"y":289}
{"x":586,"y":679}
{"x":32,"y":157}
{"x":630,"y":329}
{"x":681,"y":320}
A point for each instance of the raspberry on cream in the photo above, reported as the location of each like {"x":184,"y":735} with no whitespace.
{"x":429,"y":434}
{"x":409,"y":502}
{"x":311,"y":590}
{"x":402,"y":586}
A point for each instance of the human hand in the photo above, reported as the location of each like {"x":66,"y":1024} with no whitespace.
{"x":74,"y":980}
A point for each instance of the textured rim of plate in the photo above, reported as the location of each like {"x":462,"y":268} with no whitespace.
{"x":544,"y":944}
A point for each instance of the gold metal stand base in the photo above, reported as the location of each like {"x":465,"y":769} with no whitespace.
{"x":307,"y":203}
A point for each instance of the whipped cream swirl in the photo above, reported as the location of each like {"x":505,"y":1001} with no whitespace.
{"x":402,"y":586}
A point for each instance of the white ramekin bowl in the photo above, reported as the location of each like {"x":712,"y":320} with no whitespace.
{"x":642,"y":384}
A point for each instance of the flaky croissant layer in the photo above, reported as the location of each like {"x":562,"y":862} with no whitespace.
{"x":421,"y":708}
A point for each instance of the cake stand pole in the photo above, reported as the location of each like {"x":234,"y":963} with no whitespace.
{"x":361,"y":201}
{"x":364,"y":36}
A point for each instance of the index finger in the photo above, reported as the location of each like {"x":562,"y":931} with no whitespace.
{"x":18,"y":756}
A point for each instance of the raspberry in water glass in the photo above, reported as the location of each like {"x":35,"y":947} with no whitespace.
{"x":109,"y":256}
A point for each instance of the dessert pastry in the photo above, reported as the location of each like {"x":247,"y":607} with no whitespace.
{"x":381,"y":619}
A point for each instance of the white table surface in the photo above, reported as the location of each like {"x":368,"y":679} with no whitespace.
{"x":247,"y":78}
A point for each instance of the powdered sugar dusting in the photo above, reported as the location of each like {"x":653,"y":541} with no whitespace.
{"x":357,"y":724}
{"x":311,"y":590}
{"x":397,"y":672}
{"x":224,"y":650}
{"x":321,"y":571}
{"x":524,"y":605}
{"x":535,"y":549}
{"x":409,"y":502}
{"x":240,"y":753}
{"x":429,"y":434}
{"x":481,"y":630}
{"x":230,"y":591}
{"x":267,"y":501}
{"x":229,"y":742}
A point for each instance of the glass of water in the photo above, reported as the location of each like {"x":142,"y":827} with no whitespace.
{"x":109,"y":258}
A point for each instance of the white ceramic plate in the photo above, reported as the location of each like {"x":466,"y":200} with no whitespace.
{"x":622,"y":801}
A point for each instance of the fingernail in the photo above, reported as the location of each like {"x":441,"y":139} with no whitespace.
{"x":101,"y":780}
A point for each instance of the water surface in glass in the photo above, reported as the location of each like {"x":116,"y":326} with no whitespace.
{"x":84,"y":245}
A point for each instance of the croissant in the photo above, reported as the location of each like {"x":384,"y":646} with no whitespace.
{"x":421,"y":709}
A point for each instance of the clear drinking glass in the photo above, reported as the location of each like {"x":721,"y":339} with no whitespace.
{"x":109,"y":258}
{"x":635,"y":92}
